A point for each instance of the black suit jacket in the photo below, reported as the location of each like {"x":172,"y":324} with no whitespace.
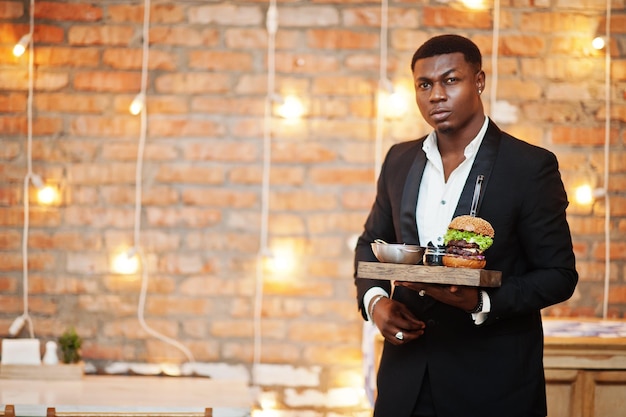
{"x":493,"y":369}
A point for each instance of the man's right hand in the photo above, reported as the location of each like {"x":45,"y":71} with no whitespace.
{"x":395,"y":322}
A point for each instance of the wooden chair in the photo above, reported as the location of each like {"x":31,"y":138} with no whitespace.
{"x":9,"y":411}
{"x":51,"y":412}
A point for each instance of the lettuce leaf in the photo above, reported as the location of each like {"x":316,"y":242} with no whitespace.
{"x":483,"y":242}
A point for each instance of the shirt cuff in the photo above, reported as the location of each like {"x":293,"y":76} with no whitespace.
{"x":481,"y":316}
{"x":367,"y":298}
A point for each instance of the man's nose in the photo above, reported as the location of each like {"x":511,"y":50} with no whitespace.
{"x":438,"y":92}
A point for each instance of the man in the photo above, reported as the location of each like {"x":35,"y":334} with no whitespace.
{"x":455,"y":351}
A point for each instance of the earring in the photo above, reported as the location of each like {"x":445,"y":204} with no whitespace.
{"x":480,"y":91}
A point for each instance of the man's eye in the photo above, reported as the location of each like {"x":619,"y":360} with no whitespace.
{"x":424,"y":85}
{"x":451,"y":80}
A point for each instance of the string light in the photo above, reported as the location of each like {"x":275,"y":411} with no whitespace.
{"x":47,"y":195}
{"x":291,"y":108}
{"x":136,"y":106}
{"x":19,"y":322}
{"x":20,"y":47}
{"x":126,"y":262}
{"x":598,"y":42}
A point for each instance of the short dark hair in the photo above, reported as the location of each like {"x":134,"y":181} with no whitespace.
{"x":448,"y":44}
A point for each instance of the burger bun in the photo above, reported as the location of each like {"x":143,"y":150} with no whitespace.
{"x":472,"y":224}
{"x":460,"y":262}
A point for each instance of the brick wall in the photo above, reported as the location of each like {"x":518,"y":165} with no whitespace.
{"x":203,"y":167}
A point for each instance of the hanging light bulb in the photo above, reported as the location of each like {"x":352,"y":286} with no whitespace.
{"x":291,"y":108}
{"x":126,"y":263}
{"x":474,"y":4}
{"x":47,"y":195}
{"x":598,"y":42}
{"x":20,"y":47}
{"x":136,"y":106}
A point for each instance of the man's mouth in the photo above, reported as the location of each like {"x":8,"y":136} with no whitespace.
{"x":439,"y":114}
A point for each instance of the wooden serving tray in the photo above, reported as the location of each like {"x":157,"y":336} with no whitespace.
{"x":429,"y":274}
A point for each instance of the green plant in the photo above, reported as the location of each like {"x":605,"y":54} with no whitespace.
{"x":70,"y":343}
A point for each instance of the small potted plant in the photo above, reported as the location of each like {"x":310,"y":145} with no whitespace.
{"x":70,"y":343}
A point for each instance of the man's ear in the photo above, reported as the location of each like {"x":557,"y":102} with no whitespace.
{"x":480,"y":81}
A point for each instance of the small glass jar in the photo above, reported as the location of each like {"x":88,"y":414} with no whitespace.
{"x":433,"y":255}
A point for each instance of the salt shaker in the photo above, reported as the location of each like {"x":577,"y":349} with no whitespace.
{"x":51,"y":357}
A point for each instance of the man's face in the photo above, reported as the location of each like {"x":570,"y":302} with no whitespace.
{"x":447,"y":91}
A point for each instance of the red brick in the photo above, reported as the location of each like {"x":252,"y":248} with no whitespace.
{"x":67,"y":57}
{"x":107,"y":81}
{"x":184,"y":36}
{"x":303,"y":200}
{"x":184,"y":127}
{"x":342,"y":86}
{"x":192,"y":83}
{"x":227,"y":105}
{"x":293,"y":62}
{"x":67,"y":11}
{"x":99,"y":35}
{"x":11,"y":9}
{"x":370,"y":16}
{"x":190,"y":174}
{"x":220,"y":151}
{"x":13,"y":102}
{"x":159,"y":13}
{"x":128,"y":59}
{"x":340,"y":39}
{"x":340,"y":176}
{"x":555,"y":22}
{"x":246,"y":38}
{"x":41,"y":126}
{"x":220,"y":60}
{"x":71,"y":102}
{"x":577,"y":136}
{"x":219,"y":198}
{"x":226,"y":14}
{"x":185,"y":217}
{"x":439,"y":17}
{"x":98,"y":126}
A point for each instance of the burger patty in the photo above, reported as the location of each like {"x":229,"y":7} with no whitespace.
{"x":462,"y":244}
{"x":464,"y":249}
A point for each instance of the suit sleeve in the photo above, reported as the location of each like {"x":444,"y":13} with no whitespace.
{"x":540,"y":262}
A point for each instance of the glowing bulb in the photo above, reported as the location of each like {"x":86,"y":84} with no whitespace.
{"x":126,"y":263}
{"x":598,"y":43}
{"x":584,"y":194}
{"x":20,"y":47}
{"x":291,"y":108}
{"x":137,"y":105}
{"x":474,"y":4}
{"x":47,"y":195}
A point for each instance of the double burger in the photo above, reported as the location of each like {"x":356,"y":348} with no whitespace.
{"x":466,"y":240}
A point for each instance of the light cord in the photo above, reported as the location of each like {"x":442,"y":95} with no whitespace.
{"x":139,"y":189}
{"x":494,"y":55}
{"x":29,"y":173}
{"x":607,"y":138}
{"x":272,"y":28}
{"x":383,"y":83}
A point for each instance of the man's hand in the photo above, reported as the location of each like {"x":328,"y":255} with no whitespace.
{"x":460,"y":296}
{"x":395,"y":322}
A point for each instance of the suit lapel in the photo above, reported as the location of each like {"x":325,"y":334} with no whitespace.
{"x":409,"y":199}
{"x":483,"y":164}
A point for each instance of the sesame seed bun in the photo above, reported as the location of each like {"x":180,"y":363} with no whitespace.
{"x":472,"y":224}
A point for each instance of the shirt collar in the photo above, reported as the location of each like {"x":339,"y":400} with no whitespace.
{"x":430,"y":143}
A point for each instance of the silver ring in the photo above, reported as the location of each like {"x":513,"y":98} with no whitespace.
{"x":399,"y":336}
{"x":422,"y":293}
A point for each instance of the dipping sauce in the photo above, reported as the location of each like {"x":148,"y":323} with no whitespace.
{"x":433,"y":255}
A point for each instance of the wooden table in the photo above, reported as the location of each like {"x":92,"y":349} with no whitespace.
{"x":586,"y":374}
{"x":228,"y":398}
